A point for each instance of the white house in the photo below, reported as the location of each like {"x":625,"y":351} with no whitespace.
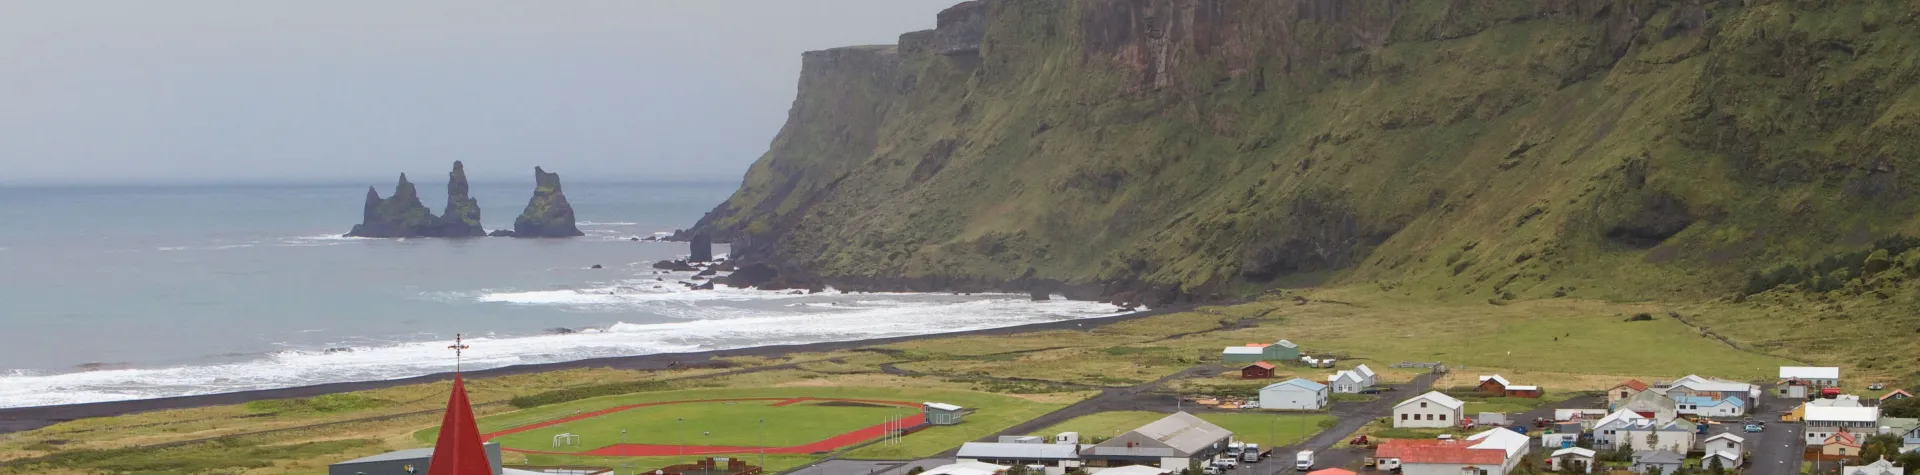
{"x":1881,"y":467}
{"x":1057,"y":458}
{"x":1730,"y":448}
{"x":1823,"y":421}
{"x":1728,"y":460}
{"x":1430,"y":410}
{"x":1571,"y":459}
{"x":1367,"y":374}
{"x":1675,"y":435}
{"x":1347,"y":382}
{"x":1607,"y":429}
{"x":1816,"y":376}
{"x":1711,"y":406}
{"x":1296,"y":393}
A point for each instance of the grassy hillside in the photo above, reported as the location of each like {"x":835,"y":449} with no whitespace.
{"x":1476,"y":149}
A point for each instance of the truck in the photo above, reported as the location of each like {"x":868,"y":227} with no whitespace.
{"x":1250,"y":453}
{"x":1303,"y":461}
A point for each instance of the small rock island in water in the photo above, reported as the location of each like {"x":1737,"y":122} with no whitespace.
{"x":402,"y":215}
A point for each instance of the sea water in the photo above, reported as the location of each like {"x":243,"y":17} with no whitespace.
{"x":130,"y":292}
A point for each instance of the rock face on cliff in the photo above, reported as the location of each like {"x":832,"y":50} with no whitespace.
{"x":547,"y":213}
{"x":402,"y":215}
{"x":1181,"y":148}
{"x":700,"y":248}
{"x":461,"y":217}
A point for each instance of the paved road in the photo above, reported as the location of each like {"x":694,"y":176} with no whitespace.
{"x":1776,"y":450}
{"x":1351,"y":417}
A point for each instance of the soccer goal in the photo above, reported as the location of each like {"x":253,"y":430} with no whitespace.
{"x":567,"y":439}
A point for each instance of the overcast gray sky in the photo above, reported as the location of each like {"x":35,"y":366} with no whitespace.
{"x":245,"y":90}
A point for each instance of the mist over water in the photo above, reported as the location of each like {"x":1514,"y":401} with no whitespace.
{"x":114,"y":293}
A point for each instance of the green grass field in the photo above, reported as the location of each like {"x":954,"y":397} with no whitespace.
{"x":743,"y":423}
{"x":1268,"y":430}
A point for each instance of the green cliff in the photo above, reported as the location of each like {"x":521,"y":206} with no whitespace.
{"x":1460,"y":148}
{"x":547,"y":213}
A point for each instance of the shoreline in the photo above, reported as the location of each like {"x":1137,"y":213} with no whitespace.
{"x":22,"y":419}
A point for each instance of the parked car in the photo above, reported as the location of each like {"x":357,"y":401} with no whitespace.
{"x":1755,"y":428}
{"x":1876,"y":387}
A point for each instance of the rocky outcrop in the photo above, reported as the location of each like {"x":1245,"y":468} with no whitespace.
{"x":700,"y":249}
{"x":958,"y":29}
{"x":402,"y":215}
{"x":547,"y":213}
{"x":461,"y":217}
{"x":398,"y":216}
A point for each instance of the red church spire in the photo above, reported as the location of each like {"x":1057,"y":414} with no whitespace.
{"x":458,"y":450}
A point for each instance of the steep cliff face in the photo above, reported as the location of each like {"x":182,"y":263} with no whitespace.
{"x":461,"y":217}
{"x":1474,"y":148}
{"x":547,"y":214}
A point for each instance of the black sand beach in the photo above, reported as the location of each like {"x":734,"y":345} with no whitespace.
{"x":21,"y":419}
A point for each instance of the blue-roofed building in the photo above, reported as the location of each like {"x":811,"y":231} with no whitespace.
{"x":1710,"y":406}
{"x":1294,"y":394}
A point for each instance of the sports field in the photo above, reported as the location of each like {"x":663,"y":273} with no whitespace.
{"x":772,"y":425}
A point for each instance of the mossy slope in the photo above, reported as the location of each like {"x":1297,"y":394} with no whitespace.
{"x":1458,"y":148}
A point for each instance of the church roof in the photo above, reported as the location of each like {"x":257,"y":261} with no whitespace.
{"x":458,"y":450}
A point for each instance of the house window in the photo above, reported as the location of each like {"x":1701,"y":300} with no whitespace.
{"x":1403,"y":417}
{"x":1423,"y":404}
{"x":1443,"y":417}
{"x":1623,"y":395}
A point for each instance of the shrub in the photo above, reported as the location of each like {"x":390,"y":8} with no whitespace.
{"x":1640,"y":317}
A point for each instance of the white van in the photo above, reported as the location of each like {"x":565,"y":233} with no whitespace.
{"x":1303,"y":461}
{"x":1250,"y":453}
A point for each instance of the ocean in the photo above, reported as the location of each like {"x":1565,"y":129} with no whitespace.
{"x":131,"y":292}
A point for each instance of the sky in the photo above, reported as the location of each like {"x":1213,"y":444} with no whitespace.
{"x":198,"y":91}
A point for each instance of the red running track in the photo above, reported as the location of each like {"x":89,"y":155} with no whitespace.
{"x":647,"y":450}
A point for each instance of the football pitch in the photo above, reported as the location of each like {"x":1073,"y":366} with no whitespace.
{"x":738,"y":423}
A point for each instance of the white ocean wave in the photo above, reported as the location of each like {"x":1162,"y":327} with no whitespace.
{"x":736,"y":328}
{"x":615,"y":223}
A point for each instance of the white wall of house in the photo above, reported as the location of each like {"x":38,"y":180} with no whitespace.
{"x":1348,"y":383}
{"x":1173,"y":463}
{"x":1288,"y":396}
{"x":1722,"y":445}
{"x":1443,"y":469}
{"x":1676,"y":441}
{"x":1723,"y":408}
{"x":1432,"y":415}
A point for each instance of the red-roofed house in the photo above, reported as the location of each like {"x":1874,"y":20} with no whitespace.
{"x":1895,"y":395}
{"x":1841,"y":444}
{"x":1624,"y":390}
{"x":1486,"y":453}
{"x":1257,"y":370}
{"x":1332,"y":471}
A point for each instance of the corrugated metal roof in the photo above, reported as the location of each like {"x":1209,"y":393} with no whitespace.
{"x":1301,"y":383}
{"x":1417,"y":451}
{"x":1185,"y":433}
{"x":967,"y":468}
{"x":1503,"y":381}
{"x":1242,"y":350}
{"x":1633,"y":383}
{"x":1842,"y":414}
{"x":942,"y":406}
{"x":1657,"y":456}
{"x":1363,"y":370}
{"x":1261,"y":364}
{"x":1588,"y":453}
{"x":1435,"y":397}
{"x":999,"y":450}
{"x":1286,"y":344}
{"x":1809,"y":372}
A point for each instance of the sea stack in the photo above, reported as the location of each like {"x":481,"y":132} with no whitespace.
{"x":461,"y":217}
{"x":399,"y":216}
{"x":700,"y":248}
{"x":547,"y":214}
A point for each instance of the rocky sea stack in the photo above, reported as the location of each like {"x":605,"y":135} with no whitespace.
{"x":547,"y":214}
{"x":402,"y":215}
{"x":461,"y":217}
